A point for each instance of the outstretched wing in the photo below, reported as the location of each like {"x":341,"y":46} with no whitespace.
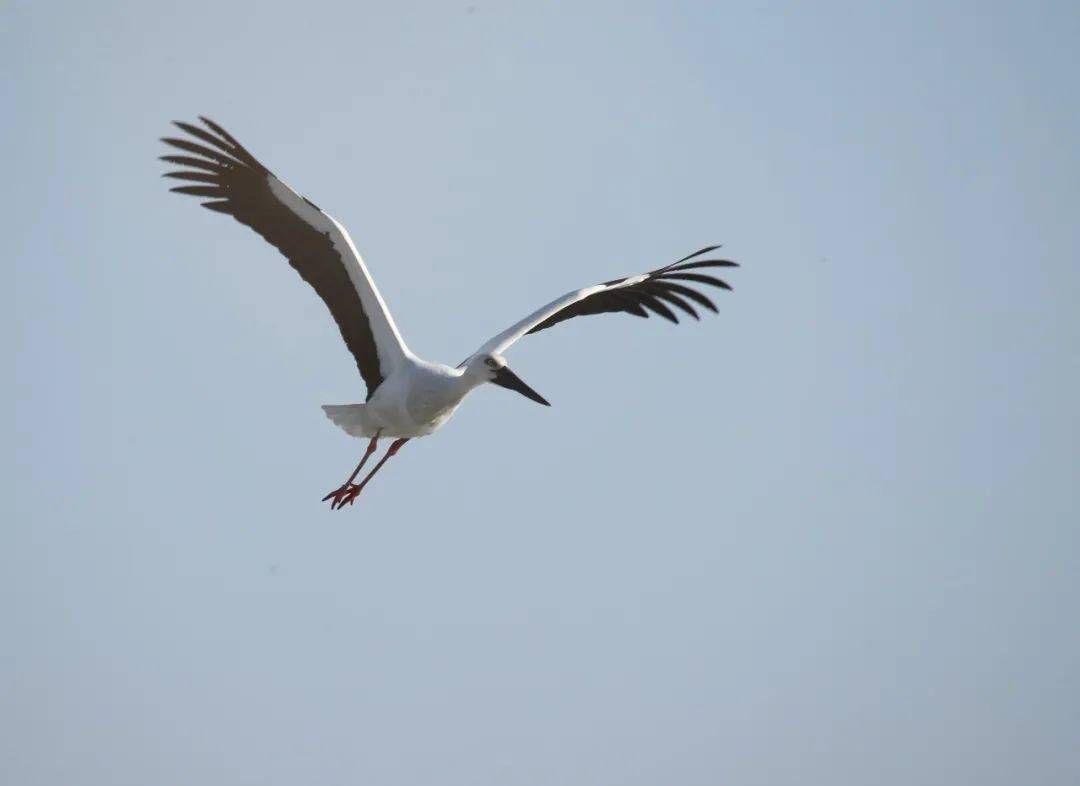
{"x":221,"y":171}
{"x":654,"y":292}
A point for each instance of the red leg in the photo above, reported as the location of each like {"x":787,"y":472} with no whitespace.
{"x":339,"y":492}
{"x":354,"y":491}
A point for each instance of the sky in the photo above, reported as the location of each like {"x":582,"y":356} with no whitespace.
{"x":829,"y":535}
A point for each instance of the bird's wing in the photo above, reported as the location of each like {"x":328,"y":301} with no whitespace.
{"x":655,"y":291}
{"x":220,"y":170}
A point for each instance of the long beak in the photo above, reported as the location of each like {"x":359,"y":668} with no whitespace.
{"x":505,"y":378}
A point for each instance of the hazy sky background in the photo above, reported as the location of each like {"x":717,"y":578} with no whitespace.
{"x":827,"y":537}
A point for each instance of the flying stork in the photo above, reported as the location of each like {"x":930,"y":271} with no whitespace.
{"x":407,"y":396}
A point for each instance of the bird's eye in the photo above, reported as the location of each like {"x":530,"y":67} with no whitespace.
{"x":490,"y":362}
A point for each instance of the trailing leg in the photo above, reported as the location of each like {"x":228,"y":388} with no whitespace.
{"x":354,"y":491}
{"x":338,"y":493}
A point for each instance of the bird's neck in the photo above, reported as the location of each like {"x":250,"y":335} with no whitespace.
{"x":465,"y":382}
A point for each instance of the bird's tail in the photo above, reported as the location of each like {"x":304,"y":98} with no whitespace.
{"x":350,"y":418}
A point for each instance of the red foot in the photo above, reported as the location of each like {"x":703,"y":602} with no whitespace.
{"x":350,"y":496}
{"x":340,"y":496}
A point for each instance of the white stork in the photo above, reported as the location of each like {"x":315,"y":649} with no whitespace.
{"x":407,"y":396}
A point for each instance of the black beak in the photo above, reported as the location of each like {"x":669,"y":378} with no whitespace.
{"x":505,"y":378}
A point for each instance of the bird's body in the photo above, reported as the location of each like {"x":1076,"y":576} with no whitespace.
{"x":414,"y":401}
{"x":408,"y":397}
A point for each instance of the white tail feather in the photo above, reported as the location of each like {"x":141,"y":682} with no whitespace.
{"x":350,"y":418}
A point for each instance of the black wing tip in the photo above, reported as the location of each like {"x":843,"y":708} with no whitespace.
{"x":190,"y":127}
{"x":701,"y":263}
{"x":699,"y":252}
{"x":217,"y":128}
{"x":204,"y":190}
{"x":686,"y":261}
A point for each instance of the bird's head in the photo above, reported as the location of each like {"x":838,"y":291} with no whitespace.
{"x":489,"y":367}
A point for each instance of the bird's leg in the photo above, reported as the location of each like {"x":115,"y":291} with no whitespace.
{"x":354,"y":491}
{"x":337,"y":493}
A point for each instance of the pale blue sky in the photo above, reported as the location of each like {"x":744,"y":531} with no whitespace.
{"x":828,"y":536}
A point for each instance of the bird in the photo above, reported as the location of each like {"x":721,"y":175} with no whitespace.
{"x":407,"y":396}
